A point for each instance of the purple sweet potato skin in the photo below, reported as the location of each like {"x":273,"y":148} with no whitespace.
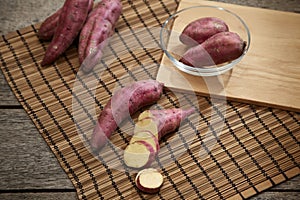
{"x":73,"y":15}
{"x":152,"y":151}
{"x":48,"y":27}
{"x":220,"y":48}
{"x":168,"y":120}
{"x":92,"y":47}
{"x":99,"y":27}
{"x":124,"y":102}
{"x":201,"y":29}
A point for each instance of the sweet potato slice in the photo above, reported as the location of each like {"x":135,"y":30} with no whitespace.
{"x":146,"y":125}
{"x":148,"y":137}
{"x":149,"y":180}
{"x":139,"y":154}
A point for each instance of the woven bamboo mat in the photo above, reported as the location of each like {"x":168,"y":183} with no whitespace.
{"x":235,"y":151}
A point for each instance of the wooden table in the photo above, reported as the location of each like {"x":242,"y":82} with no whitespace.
{"x":28,"y":168}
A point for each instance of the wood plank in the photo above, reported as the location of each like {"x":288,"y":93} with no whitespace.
{"x":288,"y":5}
{"x":293,"y":184}
{"x":277,"y":196}
{"x":72,"y":196}
{"x":39,"y":196}
{"x":276,"y":71}
{"x":26,"y":160}
{"x":17,"y":14}
{"x":7,"y":98}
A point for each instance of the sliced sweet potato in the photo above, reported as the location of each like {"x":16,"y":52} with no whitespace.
{"x":139,"y":154}
{"x":148,"y":137}
{"x":149,"y":180}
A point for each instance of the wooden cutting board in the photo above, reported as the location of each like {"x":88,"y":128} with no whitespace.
{"x":269,"y":74}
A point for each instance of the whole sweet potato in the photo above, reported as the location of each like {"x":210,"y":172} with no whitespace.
{"x":98,"y":27}
{"x":201,"y":29}
{"x":71,"y":20}
{"x":48,"y":27}
{"x":219,"y":48}
{"x":93,"y":45}
{"x":123,"y":103}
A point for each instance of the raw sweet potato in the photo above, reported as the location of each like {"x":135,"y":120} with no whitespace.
{"x":166,"y":121}
{"x":73,"y":15}
{"x":149,"y":180}
{"x":201,"y":29}
{"x":98,"y":27}
{"x":48,"y":27}
{"x":123,"y":103}
{"x":152,"y":125}
{"x":139,"y":154}
{"x":219,"y":48}
{"x":102,"y":30}
{"x":146,"y":136}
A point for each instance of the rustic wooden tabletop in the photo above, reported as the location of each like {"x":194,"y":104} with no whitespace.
{"x":28,"y":169}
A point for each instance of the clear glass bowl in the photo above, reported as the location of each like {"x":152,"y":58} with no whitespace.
{"x":174,"y":49}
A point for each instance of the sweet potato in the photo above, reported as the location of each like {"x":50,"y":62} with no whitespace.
{"x":146,"y":136}
{"x":73,"y":15}
{"x":149,"y":180}
{"x":99,"y":27}
{"x":167,"y":120}
{"x":102,"y":30}
{"x":152,"y":125}
{"x":219,"y":48}
{"x":123,"y":103}
{"x":201,"y":29}
{"x":49,"y":25}
{"x":139,"y":154}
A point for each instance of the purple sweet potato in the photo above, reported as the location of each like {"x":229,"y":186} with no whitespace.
{"x":139,"y":154}
{"x":201,"y":29}
{"x":92,"y":46}
{"x":219,"y":48}
{"x":151,"y":127}
{"x":149,"y":180}
{"x":48,"y":27}
{"x":73,"y":16}
{"x":124,"y":103}
{"x":168,"y":120}
{"x":98,"y":28}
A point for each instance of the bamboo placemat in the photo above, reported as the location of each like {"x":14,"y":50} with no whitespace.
{"x":254,"y":149}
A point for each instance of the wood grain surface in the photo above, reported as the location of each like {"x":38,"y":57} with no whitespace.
{"x":28,"y":168}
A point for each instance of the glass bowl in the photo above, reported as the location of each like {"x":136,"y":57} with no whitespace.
{"x":174,"y":25}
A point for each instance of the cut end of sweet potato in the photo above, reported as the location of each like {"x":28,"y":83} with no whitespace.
{"x":145,"y":115}
{"x":149,"y":180}
{"x":146,"y":124}
{"x":148,"y":137}
{"x":138,"y":154}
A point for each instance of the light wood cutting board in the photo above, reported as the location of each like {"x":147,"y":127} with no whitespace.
{"x":269,"y":74}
